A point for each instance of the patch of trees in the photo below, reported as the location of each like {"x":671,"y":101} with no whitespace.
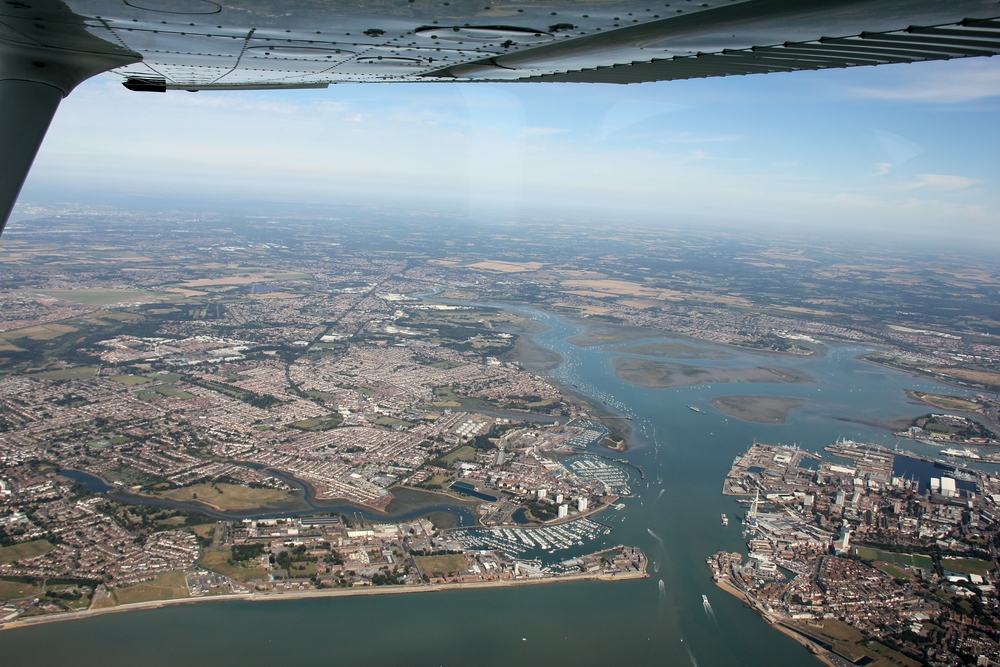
{"x":244,"y":552}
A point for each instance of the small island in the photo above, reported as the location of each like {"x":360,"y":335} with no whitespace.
{"x":663,"y":374}
{"x":758,"y":408}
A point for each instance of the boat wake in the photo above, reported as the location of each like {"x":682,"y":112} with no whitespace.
{"x":655,"y":535}
{"x":708,"y":608}
{"x":694,"y":663}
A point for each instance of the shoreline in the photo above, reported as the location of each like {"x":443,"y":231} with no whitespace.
{"x":815,"y":650}
{"x":578,"y":320}
{"x":614,"y":422}
{"x":954,"y":383}
{"x":337,"y":505}
{"x":321,"y":593}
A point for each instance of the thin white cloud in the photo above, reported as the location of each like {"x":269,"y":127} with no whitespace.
{"x":953,"y":82}
{"x":900,"y":149}
{"x":629,"y":112}
{"x":688,"y":138}
{"x":944,"y":182}
{"x":544,"y":131}
{"x":882,"y":168}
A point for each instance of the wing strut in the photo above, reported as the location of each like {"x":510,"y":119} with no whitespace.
{"x":33,"y":80}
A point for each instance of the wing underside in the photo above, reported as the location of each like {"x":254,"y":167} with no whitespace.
{"x":914,"y":44}
{"x":203,"y":44}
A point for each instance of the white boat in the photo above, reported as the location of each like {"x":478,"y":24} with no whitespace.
{"x":691,"y":407}
{"x":704,"y":599}
{"x":725,"y":520}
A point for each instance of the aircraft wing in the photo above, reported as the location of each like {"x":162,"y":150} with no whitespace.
{"x":202,"y":44}
{"x":47,"y":47}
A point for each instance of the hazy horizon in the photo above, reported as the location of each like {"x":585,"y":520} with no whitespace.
{"x":893,"y":149}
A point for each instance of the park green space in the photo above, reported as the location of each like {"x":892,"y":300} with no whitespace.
{"x":321,"y":395}
{"x":163,"y":390}
{"x":166,"y":586}
{"x":392,"y":422}
{"x":301,"y":569}
{"x":446,"y":364}
{"x":104,"y":297}
{"x":227,"y":496}
{"x":915,"y":560}
{"x":24,"y":550}
{"x":218,"y":560}
{"x":892,"y":571}
{"x":40,"y":332}
{"x":76,"y":373}
{"x":131,"y":380}
{"x":446,"y":397}
{"x":82,"y":602}
{"x":463,"y":453}
{"x":441,"y":564}
{"x":13,"y":590}
{"x":967,"y":565}
{"x":318,"y":423}
{"x":849,"y":643}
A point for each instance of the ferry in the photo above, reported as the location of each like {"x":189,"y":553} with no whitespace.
{"x":694,"y":409}
{"x":725,"y":520}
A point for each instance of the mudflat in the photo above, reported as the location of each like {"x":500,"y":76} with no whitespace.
{"x":534,"y":357}
{"x":673,"y":350}
{"x":665,"y":374}
{"x":604,"y":334}
{"x":759,"y":409}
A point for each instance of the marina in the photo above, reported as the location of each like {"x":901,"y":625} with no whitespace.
{"x":614,"y":477}
{"x":515,"y":542}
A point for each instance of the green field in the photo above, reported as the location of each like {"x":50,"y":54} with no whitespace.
{"x":165,"y":377}
{"x":162,"y":391}
{"x":946,"y":402}
{"x":893,"y":571}
{"x":318,"y":423}
{"x":463,"y":453}
{"x":171,"y":391}
{"x":915,"y":560}
{"x":166,"y":586}
{"x":848,"y":642}
{"x":446,"y":364}
{"x":217,"y":560}
{"x":24,"y":550}
{"x":12,"y":590}
{"x":228,"y":496}
{"x":392,"y":421}
{"x":76,"y":373}
{"x":301,"y":569}
{"x":441,"y":564}
{"x":102,"y":297}
{"x":446,"y":397}
{"x":131,"y":380}
{"x":967,"y":565}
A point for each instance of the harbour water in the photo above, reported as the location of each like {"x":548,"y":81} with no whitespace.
{"x":673,"y":516}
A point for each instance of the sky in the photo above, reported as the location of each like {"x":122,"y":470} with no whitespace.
{"x":898,"y":148}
